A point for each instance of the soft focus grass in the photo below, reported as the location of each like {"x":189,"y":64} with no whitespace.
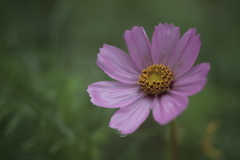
{"x":48,"y":51}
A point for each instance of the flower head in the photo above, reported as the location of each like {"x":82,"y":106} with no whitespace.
{"x":155,"y":76}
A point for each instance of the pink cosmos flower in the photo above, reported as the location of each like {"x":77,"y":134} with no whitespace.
{"x":155,"y":76}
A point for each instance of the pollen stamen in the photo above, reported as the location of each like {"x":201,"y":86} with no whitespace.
{"x":155,"y":79}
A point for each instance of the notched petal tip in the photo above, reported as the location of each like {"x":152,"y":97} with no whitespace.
{"x":166,"y":25}
{"x":208,"y":64}
{"x":193,"y":81}
{"x":136,"y":28}
{"x":198,"y":39}
{"x":186,"y":52}
{"x":159,"y":25}
{"x":126,"y":32}
{"x":103,"y":48}
{"x":119,"y":131}
{"x":105,"y":45}
{"x":192,"y":31}
{"x":170,"y":24}
{"x":90,"y":90}
{"x":164,"y":42}
{"x":128,"y":119}
{"x":139,"y":47}
{"x":133,"y":32}
{"x":112,"y":94}
{"x":207,"y":67}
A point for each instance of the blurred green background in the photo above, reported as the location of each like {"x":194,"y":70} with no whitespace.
{"x":48,"y":51}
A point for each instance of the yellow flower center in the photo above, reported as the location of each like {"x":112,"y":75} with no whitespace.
{"x":155,"y":79}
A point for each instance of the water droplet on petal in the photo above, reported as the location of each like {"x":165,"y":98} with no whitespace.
{"x":119,"y":134}
{"x":122,"y":135}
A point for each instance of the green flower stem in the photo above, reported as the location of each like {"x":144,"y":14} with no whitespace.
{"x":173,"y":140}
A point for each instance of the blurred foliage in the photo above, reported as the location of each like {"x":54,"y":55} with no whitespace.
{"x":47,"y":58}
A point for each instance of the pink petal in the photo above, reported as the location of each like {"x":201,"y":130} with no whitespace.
{"x":164,"y":41}
{"x":190,"y":88}
{"x":139,"y":47}
{"x":192,"y":81}
{"x":113,"y":94}
{"x":129,"y":118}
{"x":185,"y":53}
{"x":200,"y":70}
{"x":168,"y":107}
{"x":118,"y":64}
